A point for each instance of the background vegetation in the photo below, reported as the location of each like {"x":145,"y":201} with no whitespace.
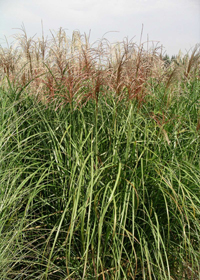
{"x":99,"y":160}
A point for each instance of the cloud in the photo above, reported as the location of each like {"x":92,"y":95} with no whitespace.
{"x":176,"y":23}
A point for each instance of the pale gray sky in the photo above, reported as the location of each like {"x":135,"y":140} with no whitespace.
{"x":174,"y":23}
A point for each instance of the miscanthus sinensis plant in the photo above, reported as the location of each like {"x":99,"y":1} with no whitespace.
{"x":99,"y":163}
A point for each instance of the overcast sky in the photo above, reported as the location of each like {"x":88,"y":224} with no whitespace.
{"x":174,"y":23}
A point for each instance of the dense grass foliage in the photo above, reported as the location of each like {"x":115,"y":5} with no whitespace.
{"x":99,"y":161}
{"x":105,"y":191}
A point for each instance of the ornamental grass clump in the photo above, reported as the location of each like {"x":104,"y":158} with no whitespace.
{"x":99,"y":163}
